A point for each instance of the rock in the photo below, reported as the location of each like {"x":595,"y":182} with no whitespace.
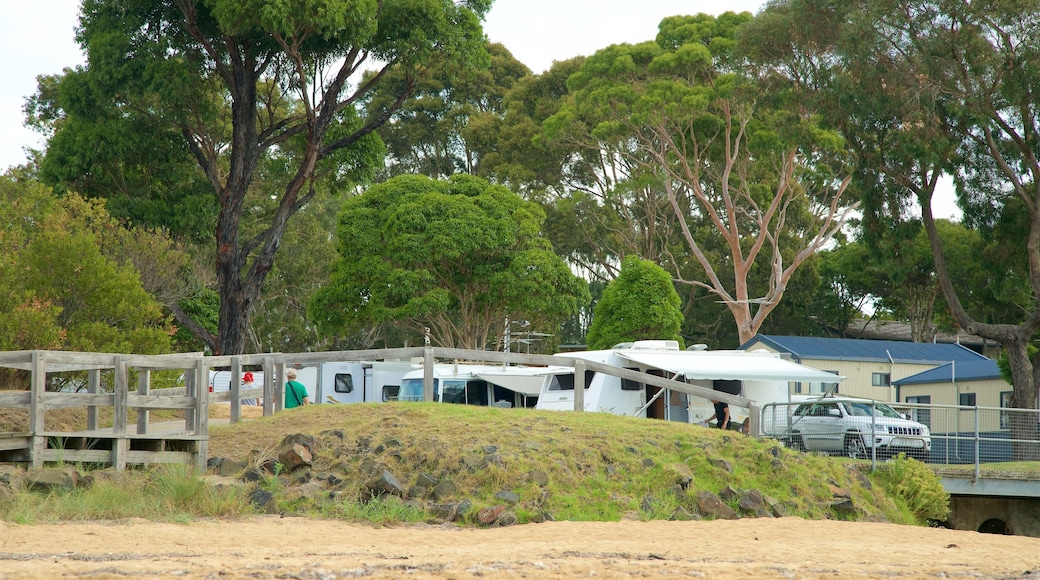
{"x":710,"y":505}
{"x":682,"y":514}
{"x":425,"y":480}
{"x":508,"y":497}
{"x":53,"y":479}
{"x":264,"y":500}
{"x":229,"y":468}
{"x":488,"y":516}
{"x":417,"y":492}
{"x":722,"y":464}
{"x":294,"y":456}
{"x":252,"y":474}
{"x":444,"y":490}
{"x":538,"y":477}
{"x":754,"y":503}
{"x":385,"y":483}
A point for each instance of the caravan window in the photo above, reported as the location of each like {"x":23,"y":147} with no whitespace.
{"x":630,"y":385}
{"x":344,"y":383}
{"x":565,"y":382}
{"x":390,"y":392}
{"x":453,"y":392}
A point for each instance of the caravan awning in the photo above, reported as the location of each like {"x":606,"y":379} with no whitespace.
{"x":731,"y":365}
{"x":524,"y":380}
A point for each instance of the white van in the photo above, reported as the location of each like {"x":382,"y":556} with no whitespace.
{"x":484,"y":385}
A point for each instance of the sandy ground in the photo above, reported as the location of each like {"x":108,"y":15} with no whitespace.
{"x":274,"y":547}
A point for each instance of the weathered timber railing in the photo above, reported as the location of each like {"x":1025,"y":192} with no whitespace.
{"x":145,"y":442}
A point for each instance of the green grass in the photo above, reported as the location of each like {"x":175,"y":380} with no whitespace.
{"x":599,"y":467}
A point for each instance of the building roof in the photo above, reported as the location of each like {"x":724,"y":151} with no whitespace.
{"x":981,"y":370}
{"x":850,"y":349}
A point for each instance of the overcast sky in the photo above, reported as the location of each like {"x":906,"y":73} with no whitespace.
{"x":36,"y":37}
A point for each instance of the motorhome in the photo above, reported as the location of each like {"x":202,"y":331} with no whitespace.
{"x":475,"y":384}
{"x":758,"y":375}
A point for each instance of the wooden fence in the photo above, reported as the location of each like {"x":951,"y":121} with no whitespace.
{"x":145,"y":442}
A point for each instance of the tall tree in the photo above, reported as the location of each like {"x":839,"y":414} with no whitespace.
{"x":726,"y":177}
{"x":261,"y":95}
{"x":923,"y":88}
{"x":459,"y":257}
{"x":451,"y":120}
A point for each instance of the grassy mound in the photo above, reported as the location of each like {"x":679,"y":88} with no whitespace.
{"x":568,"y":466}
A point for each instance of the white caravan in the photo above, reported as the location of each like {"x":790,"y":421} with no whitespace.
{"x":484,"y":385}
{"x":356,"y":382}
{"x":758,"y":375}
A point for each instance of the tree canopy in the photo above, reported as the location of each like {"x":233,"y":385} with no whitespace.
{"x":921,"y":89}
{"x":458,"y":257}
{"x":59,"y":289}
{"x":640,"y":304}
{"x":262,"y":98}
{"x":728,"y":182}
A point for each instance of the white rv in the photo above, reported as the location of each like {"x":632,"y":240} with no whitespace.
{"x":484,"y":385}
{"x":757,"y":375}
{"x":356,"y":382}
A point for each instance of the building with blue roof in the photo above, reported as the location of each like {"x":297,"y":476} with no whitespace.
{"x":957,"y":383}
{"x":872,"y":368}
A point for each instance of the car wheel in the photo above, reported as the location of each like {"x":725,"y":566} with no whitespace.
{"x":797,"y":443}
{"x":855,"y":448}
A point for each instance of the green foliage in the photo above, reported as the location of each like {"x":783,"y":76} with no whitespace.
{"x":916,"y":487}
{"x":640,"y":304}
{"x":457,"y":256}
{"x":230,"y":116}
{"x":173,"y":493}
{"x":61,"y":289}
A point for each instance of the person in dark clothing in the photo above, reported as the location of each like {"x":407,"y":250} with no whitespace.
{"x":721,"y":415}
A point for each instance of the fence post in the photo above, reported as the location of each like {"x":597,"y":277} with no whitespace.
{"x":279,"y":387}
{"x":236,"y":390}
{"x":201,"y":426}
{"x":427,"y":379}
{"x":978,"y":442}
{"x":579,"y":384}
{"x":93,"y":387}
{"x":37,"y":388}
{"x":144,"y":380}
{"x":120,"y":390}
{"x":268,"y":387}
{"x":755,"y":420}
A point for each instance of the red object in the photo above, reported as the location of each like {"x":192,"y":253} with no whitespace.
{"x":247,"y":378}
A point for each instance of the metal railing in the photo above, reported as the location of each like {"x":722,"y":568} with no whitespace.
{"x":942,"y":435}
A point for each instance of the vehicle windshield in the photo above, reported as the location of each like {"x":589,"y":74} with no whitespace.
{"x":412,"y":390}
{"x":880,"y":410}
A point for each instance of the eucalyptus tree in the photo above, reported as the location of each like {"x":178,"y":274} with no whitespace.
{"x":733,"y":183}
{"x":926,"y":88}
{"x":456,"y":258}
{"x":264,"y":98}
{"x":450,"y":122}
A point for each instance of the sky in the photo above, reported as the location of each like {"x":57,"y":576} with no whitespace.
{"x":37,"y":37}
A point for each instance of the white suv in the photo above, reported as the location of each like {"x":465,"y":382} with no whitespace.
{"x":854,"y":428}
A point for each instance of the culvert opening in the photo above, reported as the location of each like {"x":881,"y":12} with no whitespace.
{"x":994,"y":526}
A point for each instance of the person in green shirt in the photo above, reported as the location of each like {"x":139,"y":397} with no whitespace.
{"x":295,"y":393}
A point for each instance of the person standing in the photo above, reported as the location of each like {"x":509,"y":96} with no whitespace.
{"x":295,"y":393}
{"x":721,"y":414}
{"x":247,"y":383}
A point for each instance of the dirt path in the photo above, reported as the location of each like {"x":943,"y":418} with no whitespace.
{"x":273,"y":547}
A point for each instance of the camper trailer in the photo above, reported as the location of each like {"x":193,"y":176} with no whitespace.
{"x":484,"y":385}
{"x":758,"y":375}
{"x":357,"y":382}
